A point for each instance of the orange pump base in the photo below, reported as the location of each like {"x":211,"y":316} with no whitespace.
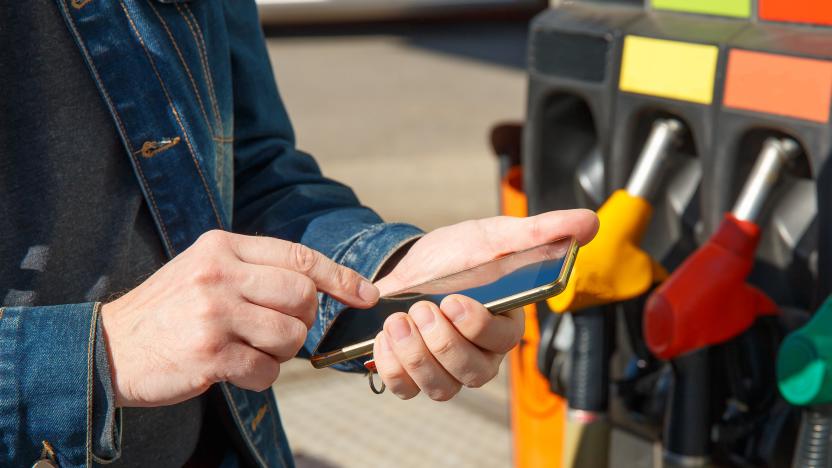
{"x":537,"y":415}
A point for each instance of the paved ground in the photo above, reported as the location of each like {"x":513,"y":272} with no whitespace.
{"x":402,"y":114}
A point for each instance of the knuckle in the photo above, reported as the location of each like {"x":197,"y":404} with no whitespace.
{"x":516,"y":336}
{"x":212,"y":238}
{"x":207,"y":311}
{"x":303,"y":257}
{"x":305,"y":302}
{"x":520,"y":325}
{"x":345,"y":279}
{"x":297,"y":335}
{"x":443,"y":393}
{"x":203,"y":381}
{"x":414,"y":360}
{"x":207,"y":272}
{"x":245,"y":366}
{"x":392,"y":377}
{"x":504,"y":346}
{"x":536,"y":230}
{"x":208,"y":341}
{"x":267,"y":375}
{"x":307,"y":291}
{"x":512,"y":338}
{"x":443,"y":347}
{"x":404,"y":394}
{"x":475,"y":330}
{"x":478,"y":379}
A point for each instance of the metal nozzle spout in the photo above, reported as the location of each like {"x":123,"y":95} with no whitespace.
{"x":775,"y":154}
{"x":646,"y":175}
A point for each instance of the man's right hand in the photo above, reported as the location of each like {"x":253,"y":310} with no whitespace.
{"x":230,"y":308}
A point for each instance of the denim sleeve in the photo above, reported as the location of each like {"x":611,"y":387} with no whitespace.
{"x":279,"y":190}
{"x":106,"y":418}
{"x":48,"y":384}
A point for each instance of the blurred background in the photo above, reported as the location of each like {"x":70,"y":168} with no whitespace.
{"x":692,"y":105}
{"x":396,"y":99}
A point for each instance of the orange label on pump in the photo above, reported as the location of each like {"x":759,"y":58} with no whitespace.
{"x":798,"y":11}
{"x":779,"y":84}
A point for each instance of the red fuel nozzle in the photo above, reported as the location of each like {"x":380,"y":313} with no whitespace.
{"x":707,"y":301}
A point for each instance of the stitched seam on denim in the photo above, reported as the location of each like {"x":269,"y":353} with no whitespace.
{"x":120,"y":124}
{"x":329,"y":309}
{"x":184,"y":65}
{"x":2,"y":311}
{"x":272,"y":402}
{"x":373,"y":231}
{"x":199,"y":39}
{"x":90,"y":355}
{"x":239,"y":421}
{"x":175,"y":114}
{"x":391,"y":253}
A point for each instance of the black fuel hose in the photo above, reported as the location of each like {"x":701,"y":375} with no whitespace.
{"x":588,"y":388}
{"x":687,"y":430}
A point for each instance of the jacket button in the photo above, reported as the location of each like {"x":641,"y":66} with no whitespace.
{"x":44,"y":463}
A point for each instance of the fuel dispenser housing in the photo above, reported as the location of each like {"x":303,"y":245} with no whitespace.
{"x":735,"y":73}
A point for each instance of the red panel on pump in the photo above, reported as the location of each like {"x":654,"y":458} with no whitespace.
{"x":796,"y":11}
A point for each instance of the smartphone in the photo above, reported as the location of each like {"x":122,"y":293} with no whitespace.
{"x":503,"y":284}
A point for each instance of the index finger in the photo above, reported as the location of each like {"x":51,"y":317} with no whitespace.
{"x":514,"y":234}
{"x":336,"y":280}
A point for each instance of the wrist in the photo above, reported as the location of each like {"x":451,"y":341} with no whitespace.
{"x":107,"y":319}
{"x":393,"y":260}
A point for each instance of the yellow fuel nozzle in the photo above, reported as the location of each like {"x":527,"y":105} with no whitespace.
{"x":613,"y":268}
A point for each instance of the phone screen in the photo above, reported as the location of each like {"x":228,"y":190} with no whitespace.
{"x":487,"y":283}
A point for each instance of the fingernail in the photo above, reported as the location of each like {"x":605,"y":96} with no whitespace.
{"x":367,"y":291}
{"x":399,"y":328}
{"x":454,"y":310}
{"x":423,"y":317}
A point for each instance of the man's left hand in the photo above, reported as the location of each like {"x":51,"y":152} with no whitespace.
{"x":439,"y":349}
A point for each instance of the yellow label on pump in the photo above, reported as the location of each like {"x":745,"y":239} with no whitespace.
{"x":669,"y":69}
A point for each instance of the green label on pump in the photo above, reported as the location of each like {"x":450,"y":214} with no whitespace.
{"x":735,"y":8}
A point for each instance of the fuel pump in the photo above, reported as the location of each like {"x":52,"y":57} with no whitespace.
{"x":612,"y":268}
{"x":804,"y":378}
{"x":707,"y":301}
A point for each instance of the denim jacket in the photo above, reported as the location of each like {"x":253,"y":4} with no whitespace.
{"x":190,"y":89}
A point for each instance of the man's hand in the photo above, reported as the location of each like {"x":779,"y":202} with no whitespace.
{"x":439,"y":349}
{"x":229,"y":308}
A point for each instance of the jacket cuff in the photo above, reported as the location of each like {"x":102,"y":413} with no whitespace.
{"x":46,"y":383}
{"x":366,"y":254}
{"x":106,"y":418}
